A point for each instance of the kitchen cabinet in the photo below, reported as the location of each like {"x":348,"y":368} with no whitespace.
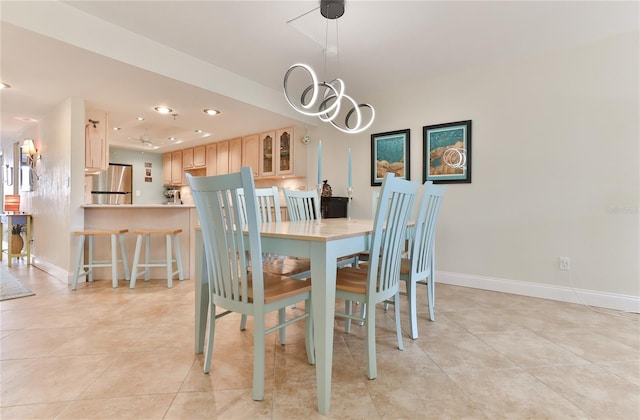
{"x":235,"y":155}
{"x":187,"y":158}
{"x":166,"y":168}
{"x":267,"y":159}
{"x":222,"y":158}
{"x":290,"y":154}
{"x":199,"y":156}
{"x":96,"y":152}
{"x":251,"y":153}
{"x":212,"y":159}
{"x":177,"y":170}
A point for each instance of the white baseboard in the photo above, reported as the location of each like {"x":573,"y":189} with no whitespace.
{"x":51,"y":269}
{"x":619,"y":302}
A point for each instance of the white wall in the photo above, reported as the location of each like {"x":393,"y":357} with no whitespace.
{"x":554,"y":167}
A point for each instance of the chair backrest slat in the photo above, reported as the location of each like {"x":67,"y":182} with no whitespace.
{"x":302,"y":205}
{"x":390,"y":223}
{"x":268,"y":202}
{"x":421,"y":252}
{"x":228,"y":253}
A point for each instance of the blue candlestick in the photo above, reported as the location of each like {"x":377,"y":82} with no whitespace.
{"x":349,"y":172}
{"x":320,"y":162}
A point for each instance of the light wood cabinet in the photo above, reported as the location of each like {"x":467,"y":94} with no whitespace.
{"x":212,"y":159}
{"x":199,"y":156}
{"x":96,"y":150}
{"x":267,"y":159}
{"x":284,"y":152}
{"x":177,"y":169}
{"x":166,"y":168}
{"x":187,"y":158}
{"x":235,"y":155}
{"x":251,"y":153}
{"x":222,"y":158}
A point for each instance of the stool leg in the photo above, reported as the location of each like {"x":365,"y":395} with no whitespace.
{"x":123,"y":254}
{"x":90,"y":265}
{"x":147,"y":258}
{"x":114,"y":260}
{"x":136,"y":259}
{"x":79,"y":262}
{"x":169,"y":262}
{"x":178,"y":257}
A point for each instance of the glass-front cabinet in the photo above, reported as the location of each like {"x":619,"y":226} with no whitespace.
{"x":285,"y":147}
{"x":267,"y":159}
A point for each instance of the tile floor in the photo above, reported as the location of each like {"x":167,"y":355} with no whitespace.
{"x":103,"y":353}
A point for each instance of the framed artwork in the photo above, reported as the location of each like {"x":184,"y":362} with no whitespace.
{"x":447,"y":152}
{"x":390,"y":153}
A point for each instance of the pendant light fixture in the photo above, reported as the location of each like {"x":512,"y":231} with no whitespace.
{"x":325,"y":100}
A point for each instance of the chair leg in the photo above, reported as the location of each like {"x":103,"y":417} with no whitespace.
{"x":123,"y":254}
{"x":243,"y":322}
{"x":136,"y":260}
{"x":147,"y":257}
{"x":79,"y":262}
{"x":282,"y":317}
{"x":258,"y":357}
{"x":169,"y":262}
{"x":431,"y":298}
{"x":347,"y":321}
{"x":398,"y":326}
{"x":208,"y":355}
{"x":363,"y":313}
{"x":176,"y":249}
{"x":370,"y":325}
{"x":413,"y":312}
{"x":308,"y":334}
{"x":90,"y":268}
{"x":114,"y":260}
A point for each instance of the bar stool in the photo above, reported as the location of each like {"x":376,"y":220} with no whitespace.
{"x":91,"y":263}
{"x":171,"y":234}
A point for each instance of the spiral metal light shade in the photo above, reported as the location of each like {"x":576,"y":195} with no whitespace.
{"x":325,"y":100}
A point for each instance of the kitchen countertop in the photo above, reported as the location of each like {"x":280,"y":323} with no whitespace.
{"x":138,"y":206}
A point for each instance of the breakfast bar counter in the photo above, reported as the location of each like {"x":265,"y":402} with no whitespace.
{"x":145,"y":216}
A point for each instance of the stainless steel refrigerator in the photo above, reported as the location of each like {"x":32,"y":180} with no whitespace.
{"x":113,"y":186}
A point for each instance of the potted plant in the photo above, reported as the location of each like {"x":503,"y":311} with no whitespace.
{"x":16,"y":238}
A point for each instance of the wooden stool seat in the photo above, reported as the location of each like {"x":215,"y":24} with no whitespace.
{"x":172,"y":255}
{"x":91,"y":263}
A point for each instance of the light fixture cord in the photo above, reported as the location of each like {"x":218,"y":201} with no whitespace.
{"x":326,"y":47}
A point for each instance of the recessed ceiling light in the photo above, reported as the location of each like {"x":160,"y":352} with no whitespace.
{"x":211,"y":111}
{"x":141,"y":118}
{"x":116,"y":128}
{"x":163,"y":109}
{"x":172,"y":138}
{"x":4,"y":85}
{"x":198,"y":130}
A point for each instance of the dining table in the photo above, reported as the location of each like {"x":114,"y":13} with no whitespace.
{"x":323,"y":242}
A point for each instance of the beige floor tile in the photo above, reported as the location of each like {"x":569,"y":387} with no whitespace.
{"x":539,"y":351}
{"x":135,"y":374}
{"x":478,"y":321}
{"x":33,"y":411}
{"x":513,"y":393}
{"x":590,"y":345}
{"x":464,"y":352}
{"x":96,"y":340}
{"x":54,"y":379}
{"x":30,"y":343}
{"x":148,"y":407}
{"x":626,"y":370}
{"x":594,"y":389}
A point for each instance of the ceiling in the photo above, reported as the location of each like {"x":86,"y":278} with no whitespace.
{"x":126,"y":57}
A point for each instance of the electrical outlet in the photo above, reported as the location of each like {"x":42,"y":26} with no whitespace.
{"x":564,"y":263}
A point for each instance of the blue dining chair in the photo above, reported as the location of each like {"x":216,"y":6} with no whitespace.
{"x":229,"y":251}
{"x":379,"y":280}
